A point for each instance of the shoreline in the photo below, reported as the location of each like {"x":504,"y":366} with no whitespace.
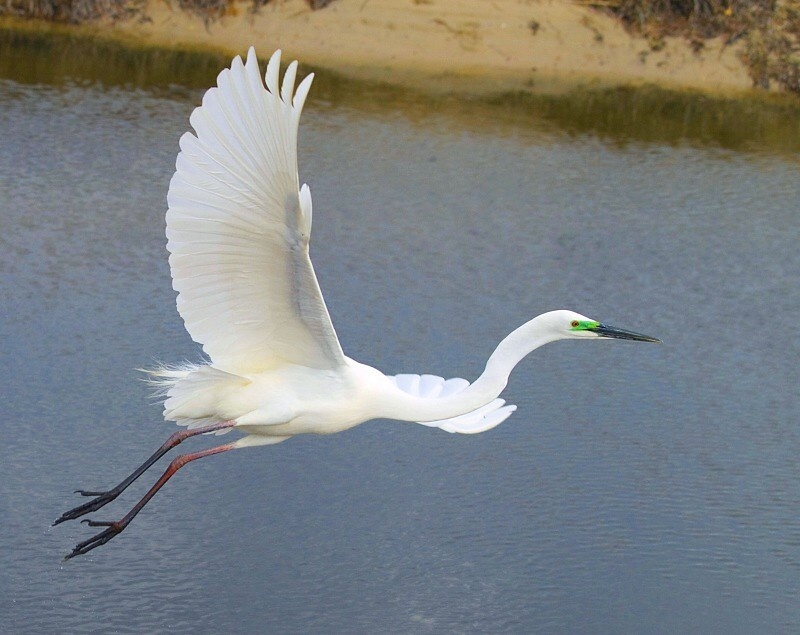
{"x":446,"y":46}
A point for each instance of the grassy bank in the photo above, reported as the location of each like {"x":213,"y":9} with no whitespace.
{"x":58,"y":56}
{"x":766,"y":33}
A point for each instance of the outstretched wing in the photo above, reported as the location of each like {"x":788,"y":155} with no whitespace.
{"x":433,"y":387}
{"x":238,"y":227}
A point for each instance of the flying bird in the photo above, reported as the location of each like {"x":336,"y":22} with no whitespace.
{"x":238,"y":229}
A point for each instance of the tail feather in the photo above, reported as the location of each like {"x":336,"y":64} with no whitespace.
{"x":163,"y":377}
{"x":191,"y":392}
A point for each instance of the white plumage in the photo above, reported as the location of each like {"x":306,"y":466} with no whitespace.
{"x":238,"y":228}
{"x":435,"y":387}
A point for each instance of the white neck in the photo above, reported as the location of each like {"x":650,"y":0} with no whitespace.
{"x":487,"y":387}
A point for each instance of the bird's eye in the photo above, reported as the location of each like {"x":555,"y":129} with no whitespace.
{"x":574,"y":324}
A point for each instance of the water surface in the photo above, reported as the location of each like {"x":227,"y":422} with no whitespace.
{"x":637,"y":488}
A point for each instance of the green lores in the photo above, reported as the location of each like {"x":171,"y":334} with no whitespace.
{"x":584,"y":325}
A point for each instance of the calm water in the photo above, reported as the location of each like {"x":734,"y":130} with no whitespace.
{"x":638,"y":488}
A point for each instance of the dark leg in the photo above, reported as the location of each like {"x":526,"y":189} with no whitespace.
{"x":103,"y":498}
{"x":116,"y":527}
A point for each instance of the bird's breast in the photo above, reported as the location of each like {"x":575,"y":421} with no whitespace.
{"x":300,"y":400}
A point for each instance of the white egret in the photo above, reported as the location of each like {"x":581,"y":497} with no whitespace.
{"x":238,"y":228}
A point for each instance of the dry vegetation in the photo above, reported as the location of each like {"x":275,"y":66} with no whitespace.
{"x":770,"y":29}
{"x":211,"y":10}
{"x":74,"y":11}
{"x":77,"y":11}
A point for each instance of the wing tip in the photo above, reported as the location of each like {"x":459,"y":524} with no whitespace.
{"x":272,"y":75}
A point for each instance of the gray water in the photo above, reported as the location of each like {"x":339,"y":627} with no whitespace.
{"x":637,"y":489}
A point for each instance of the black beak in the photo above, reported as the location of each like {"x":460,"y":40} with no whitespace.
{"x":603,"y":330}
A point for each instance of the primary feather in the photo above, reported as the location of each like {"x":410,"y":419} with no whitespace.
{"x":238,"y":227}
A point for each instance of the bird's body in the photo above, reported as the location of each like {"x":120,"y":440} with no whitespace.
{"x":291,"y":399}
{"x":285,"y":401}
{"x":238,"y":229}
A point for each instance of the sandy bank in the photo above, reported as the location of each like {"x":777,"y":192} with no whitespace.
{"x":462,"y":45}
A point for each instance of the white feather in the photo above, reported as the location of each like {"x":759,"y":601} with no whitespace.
{"x":238,"y":227}
{"x":433,"y":386}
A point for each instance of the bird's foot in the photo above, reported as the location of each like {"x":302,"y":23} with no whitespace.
{"x":86,"y":492}
{"x":113,"y":528}
{"x":102,"y":498}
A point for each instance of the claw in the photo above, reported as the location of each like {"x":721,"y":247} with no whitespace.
{"x":100,"y":523}
{"x":103,"y":498}
{"x":95,"y":541}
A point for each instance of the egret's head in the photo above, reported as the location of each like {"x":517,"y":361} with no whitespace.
{"x":571,"y":325}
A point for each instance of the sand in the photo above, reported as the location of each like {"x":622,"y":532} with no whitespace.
{"x":454,"y":45}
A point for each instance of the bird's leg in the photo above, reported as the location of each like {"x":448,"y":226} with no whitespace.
{"x":103,"y":498}
{"x":115,"y":527}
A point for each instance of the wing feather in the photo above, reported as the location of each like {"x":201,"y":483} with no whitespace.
{"x":434,"y":387}
{"x":238,"y":227}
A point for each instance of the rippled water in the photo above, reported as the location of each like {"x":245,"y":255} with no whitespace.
{"x":637,"y":488}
